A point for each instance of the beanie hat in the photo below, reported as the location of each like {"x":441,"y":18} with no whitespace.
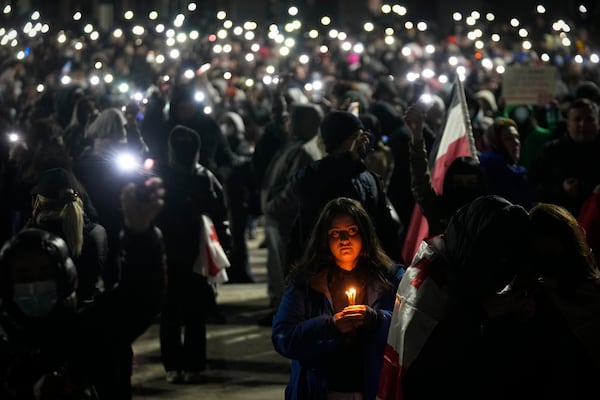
{"x":587,"y":90}
{"x":337,"y":126}
{"x":53,"y":183}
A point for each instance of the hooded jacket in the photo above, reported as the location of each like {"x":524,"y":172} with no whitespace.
{"x":191,"y":190}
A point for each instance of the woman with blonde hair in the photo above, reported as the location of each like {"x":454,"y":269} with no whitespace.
{"x":58,"y":207}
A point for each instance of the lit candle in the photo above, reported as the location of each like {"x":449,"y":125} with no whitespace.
{"x":351,"y":293}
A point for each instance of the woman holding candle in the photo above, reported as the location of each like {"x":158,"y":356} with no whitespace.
{"x":336,"y":346}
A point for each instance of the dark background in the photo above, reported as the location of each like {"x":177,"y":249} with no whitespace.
{"x":343,"y":12}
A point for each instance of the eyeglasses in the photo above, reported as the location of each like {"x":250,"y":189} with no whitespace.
{"x":338,"y":233}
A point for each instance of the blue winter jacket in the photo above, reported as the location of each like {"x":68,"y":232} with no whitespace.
{"x":304,"y":332}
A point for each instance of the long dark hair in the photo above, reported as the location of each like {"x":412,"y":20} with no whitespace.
{"x":554,"y":220}
{"x":317,"y":255}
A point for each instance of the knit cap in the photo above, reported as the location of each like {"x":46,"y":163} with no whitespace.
{"x":337,"y":126}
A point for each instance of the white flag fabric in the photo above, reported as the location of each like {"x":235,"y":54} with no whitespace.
{"x":212,"y":261}
{"x":420,"y":303}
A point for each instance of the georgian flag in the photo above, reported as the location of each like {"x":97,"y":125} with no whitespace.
{"x":415,"y":315}
{"x":455,"y":141}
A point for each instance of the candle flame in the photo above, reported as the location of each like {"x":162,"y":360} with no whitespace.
{"x":351,"y":293}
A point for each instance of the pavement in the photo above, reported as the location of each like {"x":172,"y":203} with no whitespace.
{"x":241,"y":361}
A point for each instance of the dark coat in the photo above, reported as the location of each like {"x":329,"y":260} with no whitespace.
{"x":91,"y":343}
{"x":338,"y":175}
{"x":188,"y":196}
{"x":505,"y":180}
{"x":303,"y":331}
{"x":560,"y":159}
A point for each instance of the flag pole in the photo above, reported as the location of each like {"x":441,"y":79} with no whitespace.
{"x":466,"y":117}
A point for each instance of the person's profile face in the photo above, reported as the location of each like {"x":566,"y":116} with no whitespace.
{"x":509,"y":137}
{"x":549,"y":255}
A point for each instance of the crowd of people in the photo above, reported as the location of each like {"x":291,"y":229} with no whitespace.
{"x":116,"y":145}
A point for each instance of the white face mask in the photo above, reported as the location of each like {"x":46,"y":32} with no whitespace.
{"x":36,"y":299}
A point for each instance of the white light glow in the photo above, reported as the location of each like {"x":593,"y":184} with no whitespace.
{"x":189,"y":74}
{"x":398,"y":9}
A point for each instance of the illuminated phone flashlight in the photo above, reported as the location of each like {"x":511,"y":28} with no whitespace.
{"x":127,"y":162}
{"x":426,"y":101}
{"x":426,"y":98}
{"x":13,"y":137}
{"x":199,"y":96}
